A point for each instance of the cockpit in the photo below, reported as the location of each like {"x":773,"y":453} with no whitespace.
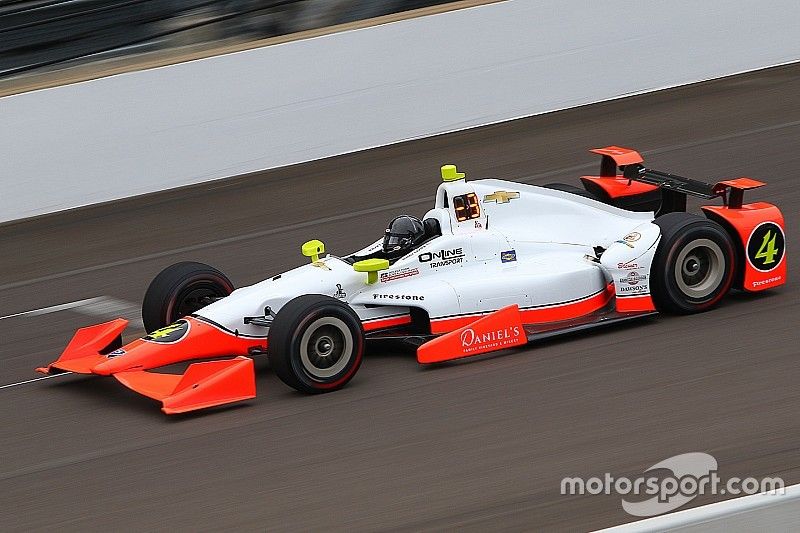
{"x":403,"y":235}
{"x":457,"y":211}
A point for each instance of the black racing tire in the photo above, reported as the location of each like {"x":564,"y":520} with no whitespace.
{"x":179,"y":290}
{"x":316,"y":343}
{"x":565,"y":187}
{"x":694,"y":264}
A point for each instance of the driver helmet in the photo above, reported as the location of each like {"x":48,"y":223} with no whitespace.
{"x":402,"y":235}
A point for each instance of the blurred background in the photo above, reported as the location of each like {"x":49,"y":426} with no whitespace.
{"x":41,"y":35}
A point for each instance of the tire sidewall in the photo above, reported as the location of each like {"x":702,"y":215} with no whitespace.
{"x":173,"y":283}
{"x":220,"y":285}
{"x":675,"y":239}
{"x":286,"y":336}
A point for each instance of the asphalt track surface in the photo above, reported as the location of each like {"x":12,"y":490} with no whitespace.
{"x":479,"y":445}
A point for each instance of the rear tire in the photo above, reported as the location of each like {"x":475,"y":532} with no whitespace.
{"x":316,"y":343}
{"x":694,"y":264}
{"x":180,"y":290}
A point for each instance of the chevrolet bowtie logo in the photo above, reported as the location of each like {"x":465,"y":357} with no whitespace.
{"x":501,"y":197}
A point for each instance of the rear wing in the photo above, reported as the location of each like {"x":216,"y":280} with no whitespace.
{"x":757,"y":228}
{"x":674,"y":188}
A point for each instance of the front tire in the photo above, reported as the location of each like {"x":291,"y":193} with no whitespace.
{"x":694,"y":264}
{"x":180,"y":290}
{"x":316,"y":343}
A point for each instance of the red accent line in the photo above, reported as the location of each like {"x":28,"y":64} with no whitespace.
{"x":542,"y":315}
{"x":635,"y":303}
{"x":387,"y":322}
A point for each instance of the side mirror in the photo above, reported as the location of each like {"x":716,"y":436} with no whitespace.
{"x":312,"y":249}
{"x":371,"y":267}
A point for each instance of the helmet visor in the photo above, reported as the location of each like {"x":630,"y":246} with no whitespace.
{"x":393,"y":241}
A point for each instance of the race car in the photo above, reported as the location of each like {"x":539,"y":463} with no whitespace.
{"x":495,"y":264}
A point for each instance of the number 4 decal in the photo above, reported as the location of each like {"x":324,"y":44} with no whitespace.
{"x":766,"y":246}
{"x":768,"y":251}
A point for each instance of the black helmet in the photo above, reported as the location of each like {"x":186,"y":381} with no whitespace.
{"x":402,"y":235}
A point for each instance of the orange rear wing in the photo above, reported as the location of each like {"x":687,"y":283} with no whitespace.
{"x":735,"y":198}
{"x":758,"y":228}
{"x":616,"y":156}
{"x":629,"y":161}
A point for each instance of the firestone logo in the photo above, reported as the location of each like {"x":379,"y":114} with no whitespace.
{"x":767,"y":281}
{"x":472,"y":341}
{"x":414,"y":297}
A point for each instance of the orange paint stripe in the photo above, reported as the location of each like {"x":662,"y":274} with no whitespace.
{"x":387,"y":322}
{"x":543,"y":315}
{"x":635,"y":303}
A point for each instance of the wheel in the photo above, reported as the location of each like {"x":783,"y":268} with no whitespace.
{"x":565,"y":187}
{"x":180,"y":290}
{"x":694,"y":264}
{"x":316,"y":343}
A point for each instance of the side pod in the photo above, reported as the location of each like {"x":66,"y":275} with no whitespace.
{"x":499,"y":330}
{"x":759,"y":231}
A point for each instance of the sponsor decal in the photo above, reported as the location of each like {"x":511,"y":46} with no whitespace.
{"x":631,"y":289}
{"x":472,"y":341}
{"x":767,"y":281}
{"x":442,"y":257}
{"x":766,"y":246}
{"x":509,"y":256}
{"x":478,"y":224}
{"x":627,"y":266}
{"x":632,"y":283}
{"x":413,"y":297}
{"x":320,"y":264}
{"x":170,"y":334}
{"x":501,"y":197}
{"x":398,"y":274}
{"x":339,"y":292}
{"x":633,"y":278}
{"x":117,"y":352}
{"x":630,"y":238}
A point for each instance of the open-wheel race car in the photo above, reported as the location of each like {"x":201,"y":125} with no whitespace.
{"x":495,"y":264}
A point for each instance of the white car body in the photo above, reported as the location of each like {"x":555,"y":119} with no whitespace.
{"x":530,"y":246}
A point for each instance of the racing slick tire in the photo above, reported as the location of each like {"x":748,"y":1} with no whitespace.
{"x":180,"y":290}
{"x":316,"y":343}
{"x":694,"y":264}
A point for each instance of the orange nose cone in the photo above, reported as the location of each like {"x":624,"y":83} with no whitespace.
{"x":118,"y":364}
{"x":184,"y":340}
